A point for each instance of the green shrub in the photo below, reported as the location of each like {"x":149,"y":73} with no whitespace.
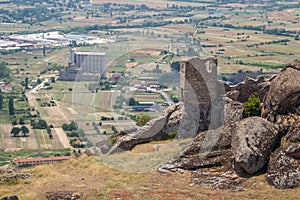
{"x":252,"y":106}
{"x":143,"y":120}
{"x":112,"y":140}
{"x":172,"y":135}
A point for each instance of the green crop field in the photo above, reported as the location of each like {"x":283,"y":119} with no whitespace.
{"x":43,"y":139}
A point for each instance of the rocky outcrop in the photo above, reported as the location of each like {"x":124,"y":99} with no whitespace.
{"x":170,"y":121}
{"x":214,"y":156}
{"x":242,"y":91}
{"x":284,"y":167}
{"x":14,"y":176}
{"x":291,"y":125}
{"x":253,"y":140}
{"x":234,"y":94}
{"x":63,"y":195}
{"x":209,"y":149}
{"x":218,"y":180}
{"x":284,"y":94}
{"x":217,"y":156}
{"x":10,"y":198}
{"x":233,"y":111}
{"x":246,"y":143}
{"x":155,"y":130}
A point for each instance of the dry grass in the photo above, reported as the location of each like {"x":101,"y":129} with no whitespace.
{"x":98,"y":181}
{"x":131,"y":175}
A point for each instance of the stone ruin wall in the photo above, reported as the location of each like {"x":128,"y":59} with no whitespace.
{"x":200,"y":92}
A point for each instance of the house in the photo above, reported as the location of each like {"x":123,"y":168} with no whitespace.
{"x":41,"y":161}
{"x":78,"y":142}
{"x":116,"y":76}
{"x":6,"y":88}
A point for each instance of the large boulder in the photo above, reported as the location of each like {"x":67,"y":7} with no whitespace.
{"x":155,"y":130}
{"x":284,"y":94}
{"x":242,"y":91}
{"x":171,"y":120}
{"x":284,"y":167}
{"x":292,"y":124}
{"x":253,"y":140}
{"x":208,"y":149}
{"x":247,"y":144}
{"x":233,"y":111}
{"x":64,"y":195}
{"x":218,"y":180}
{"x":10,"y":198}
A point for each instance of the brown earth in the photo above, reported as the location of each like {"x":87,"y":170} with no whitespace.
{"x":96,"y":181}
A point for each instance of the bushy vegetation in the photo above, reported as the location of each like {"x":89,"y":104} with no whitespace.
{"x":114,"y":129}
{"x":54,"y":67}
{"x":70,"y":127}
{"x":175,"y":66}
{"x":172,"y":135}
{"x":30,"y":15}
{"x":143,"y":120}
{"x":4,"y":71}
{"x":40,"y":124}
{"x":1,"y":101}
{"x":11,"y":108}
{"x":16,"y":131}
{"x":252,"y":106}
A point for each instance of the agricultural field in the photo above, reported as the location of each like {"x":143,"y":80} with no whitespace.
{"x":147,"y":37}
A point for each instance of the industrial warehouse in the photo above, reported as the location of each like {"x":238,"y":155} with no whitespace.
{"x":84,"y":66}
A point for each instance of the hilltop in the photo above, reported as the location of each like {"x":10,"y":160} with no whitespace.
{"x":95,"y":180}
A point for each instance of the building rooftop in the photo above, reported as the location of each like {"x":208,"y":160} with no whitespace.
{"x":56,"y":158}
{"x":90,"y":53}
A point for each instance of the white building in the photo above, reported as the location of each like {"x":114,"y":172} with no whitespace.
{"x":84,"y":66}
{"x":88,"y":61}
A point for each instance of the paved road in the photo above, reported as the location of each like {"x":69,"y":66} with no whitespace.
{"x":166,"y":96}
{"x":38,"y":87}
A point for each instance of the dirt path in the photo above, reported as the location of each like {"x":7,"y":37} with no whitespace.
{"x":62,"y":137}
{"x":31,"y":141}
{"x":45,"y":143}
{"x":56,"y":143}
{"x":32,"y":100}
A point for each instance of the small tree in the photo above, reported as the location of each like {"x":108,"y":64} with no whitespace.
{"x":1,"y":101}
{"x":26,"y":83}
{"x":22,"y":121}
{"x":14,"y":122}
{"x":114,"y":129}
{"x":252,"y":106}
{"x":42,"y":124}
{"x":24,"y":130}
{"x":44,"y":50}
{"x":4,"y":71}
{"x":11,"y":108}
{"x":143,"y":120}
{"x":53,"y":79}
{"x":131,"y":102}
{"x":175,"y":66}
{"x":15,"y":131}
{"x":49,"y":132}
